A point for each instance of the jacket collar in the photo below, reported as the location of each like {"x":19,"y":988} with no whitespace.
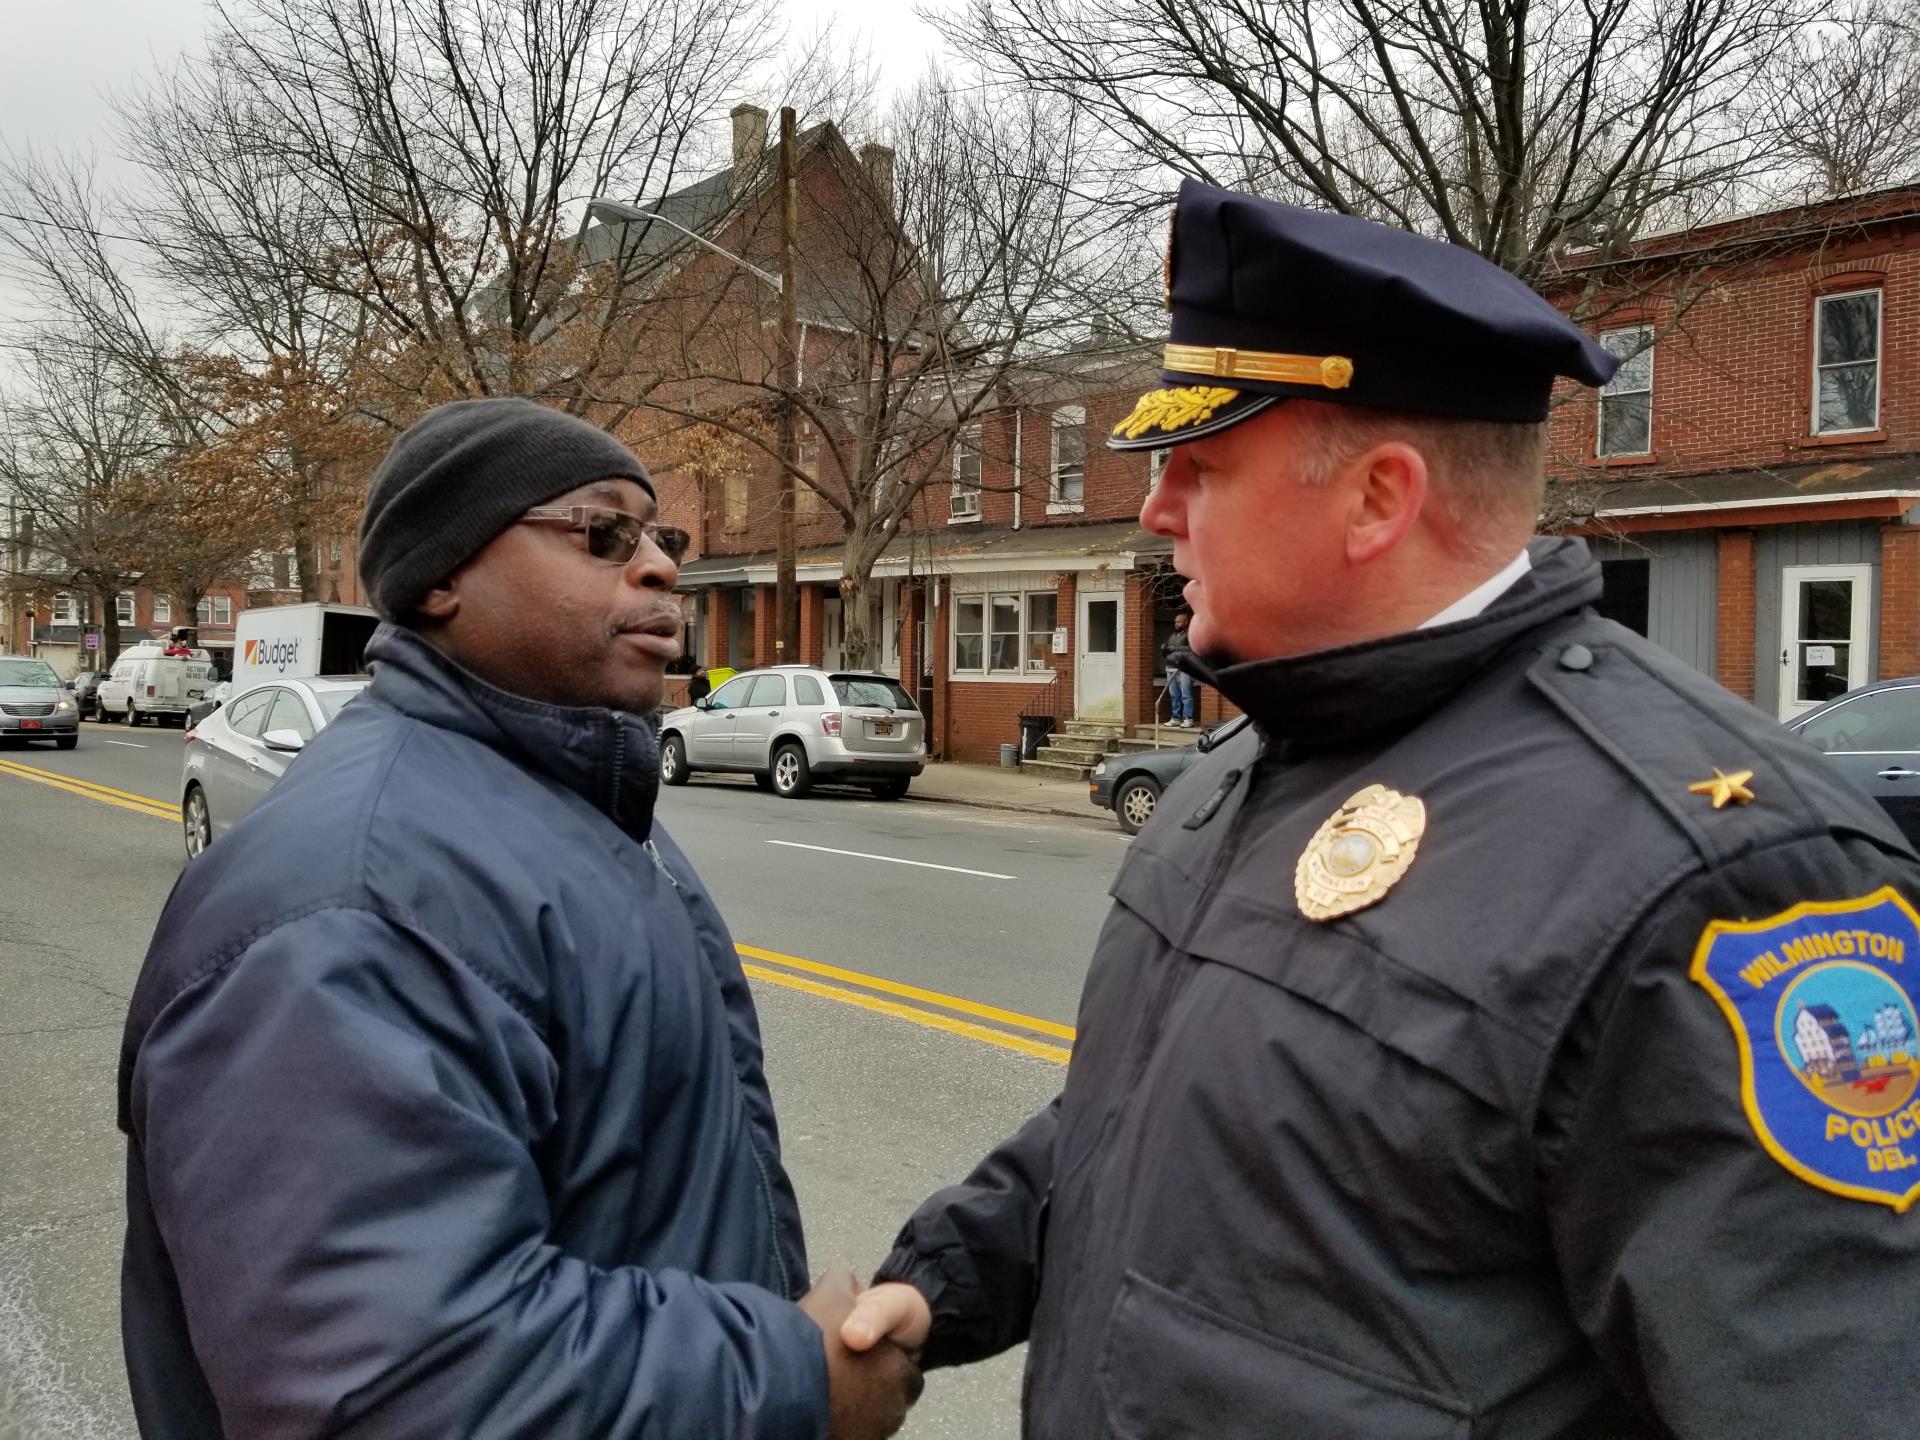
{"x":1332,"y":697}
{"x":608,"y":757}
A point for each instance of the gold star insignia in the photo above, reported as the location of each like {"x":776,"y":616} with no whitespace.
{"x":1725,"y":787}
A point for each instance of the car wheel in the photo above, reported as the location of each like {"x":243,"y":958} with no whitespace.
{"x":762,"y":779}
{"x":130,"y":717}
{"x":792,"y":777}
{"x":66,"y":742}
{"x":673,"y":761}
{"x":197,"y":821}
{"x":893,"y":789}
{"x":1133,"y":806}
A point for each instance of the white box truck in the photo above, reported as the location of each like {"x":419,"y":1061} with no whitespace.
{"x":309,"y":639}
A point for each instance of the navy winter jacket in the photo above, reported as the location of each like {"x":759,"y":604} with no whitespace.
{"x":444,"y":1101}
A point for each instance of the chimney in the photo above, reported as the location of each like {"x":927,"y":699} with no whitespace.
{"x":877,"y":161}
{"x":749,"y":141}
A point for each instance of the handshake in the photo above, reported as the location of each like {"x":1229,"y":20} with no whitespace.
{"x":872,"y":1339}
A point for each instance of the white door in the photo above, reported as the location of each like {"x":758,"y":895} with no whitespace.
{"x":1823,"y":633}
{"x":1098,"y":678}
{"x":830,"y":633}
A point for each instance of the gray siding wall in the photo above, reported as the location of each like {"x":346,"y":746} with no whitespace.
{"x":1682,"y":588}
{"x":1841,"y":542}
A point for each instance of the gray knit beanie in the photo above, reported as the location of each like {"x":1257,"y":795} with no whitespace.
{"x":461,"y":474}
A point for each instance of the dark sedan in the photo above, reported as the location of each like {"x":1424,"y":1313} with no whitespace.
{"x":1131,"y":785}
{"x":86,"y":691}
{"x":1873,"y":735}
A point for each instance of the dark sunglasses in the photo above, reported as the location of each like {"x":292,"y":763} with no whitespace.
{"x":613,"y":535}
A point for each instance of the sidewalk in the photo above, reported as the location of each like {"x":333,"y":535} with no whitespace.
{"x":994,"y":788}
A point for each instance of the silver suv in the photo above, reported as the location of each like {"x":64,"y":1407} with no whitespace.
{"x":792,"y":725}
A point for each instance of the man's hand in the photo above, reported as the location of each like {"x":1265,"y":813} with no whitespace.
{"x":868,"y":1393}
{"x":888,"y":1311}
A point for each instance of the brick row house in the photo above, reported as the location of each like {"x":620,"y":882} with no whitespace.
{"x":1749,"y":482}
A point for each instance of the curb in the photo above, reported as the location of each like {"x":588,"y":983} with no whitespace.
{"x":1091,"y":812}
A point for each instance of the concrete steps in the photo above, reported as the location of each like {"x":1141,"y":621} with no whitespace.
{"x":1055,"y":769}
{"x":1075,"y":747}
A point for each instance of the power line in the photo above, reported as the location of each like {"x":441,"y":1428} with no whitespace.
{"x":88,"y":230}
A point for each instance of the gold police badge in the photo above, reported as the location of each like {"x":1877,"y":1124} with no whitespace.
{"x":1359,"y":854}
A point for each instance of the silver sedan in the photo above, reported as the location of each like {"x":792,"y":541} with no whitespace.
{"x":235,"y":754}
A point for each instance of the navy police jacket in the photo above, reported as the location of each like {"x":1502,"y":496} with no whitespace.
{"x":444,"y":1102}
{"x":1598,"y":1121}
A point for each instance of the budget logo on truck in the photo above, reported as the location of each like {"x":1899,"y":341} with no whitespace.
{"x":279,"y":656}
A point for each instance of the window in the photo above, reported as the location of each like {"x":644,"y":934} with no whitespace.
{"x":215,"y":610}
{"x":1846,"y":363}
{"x":768,"y":691}
{"x":1042,"y":611}
{"x":1626,"y":401}
{"x":806,"y":691}
{"x":289,"y":713}
{"x":65,"y":612}
{"x":969,"y":630}
{"x":333,"y":553}
{"x":1886,"y":720}
{"x":1004,"y":634}
{"x":733,"y":694}
{"x":735,"y":499}
{"x":1624,"y":590}
{"x":245,"y":714}
{"x":965,"y":501}
{"x":806,"y":499}
{"x":1156,"y":466}
{"x":871,"y":690}
{"x":123,"y":607}
{"x":163,"y":609}
{"x":1068,"y":488}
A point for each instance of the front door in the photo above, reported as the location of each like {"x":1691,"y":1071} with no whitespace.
{"x":1823,"y":633}
{"x":830,"y":633}
{"x":1098,"y":673}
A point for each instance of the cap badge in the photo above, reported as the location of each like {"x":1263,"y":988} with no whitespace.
{"x":1724,"y":788}
{"x":1174,"y":409}
{"x":1359,"y":854}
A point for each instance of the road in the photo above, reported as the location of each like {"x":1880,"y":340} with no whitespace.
{"x":916,"y":966}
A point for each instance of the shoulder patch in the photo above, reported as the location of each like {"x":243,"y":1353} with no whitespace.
{"x":1824,"y":1002}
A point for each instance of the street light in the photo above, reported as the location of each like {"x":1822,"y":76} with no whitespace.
{"x":621,"y":210}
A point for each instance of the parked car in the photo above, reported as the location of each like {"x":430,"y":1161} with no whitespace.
{"x":148,"y":684}
{"x":34,"y":705}
{"x":792,"y":725}
{"x":236,"y":753}
{"x":1131,"y":785}
{"x":1873,"y":735}
{"x":221,"y":692}
{"x":85,"y":689}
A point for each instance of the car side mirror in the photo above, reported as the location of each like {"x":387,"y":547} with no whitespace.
{"x":703,"y":703}
{"x":287,"y":740}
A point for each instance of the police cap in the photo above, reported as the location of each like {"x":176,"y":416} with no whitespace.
{"x":1269,"y":301}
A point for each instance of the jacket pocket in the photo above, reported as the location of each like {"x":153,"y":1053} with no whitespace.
{"x":1172,"y":1369}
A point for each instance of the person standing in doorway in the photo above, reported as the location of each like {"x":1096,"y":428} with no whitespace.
{"x":1182,"y":688}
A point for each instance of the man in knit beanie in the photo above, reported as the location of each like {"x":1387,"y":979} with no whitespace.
{"x":442,"y":1083}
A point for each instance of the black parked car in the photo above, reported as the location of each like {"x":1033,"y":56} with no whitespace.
{"x":86,"y":691}
{"x":1131,"y":785}
{"x":1873,"y":734}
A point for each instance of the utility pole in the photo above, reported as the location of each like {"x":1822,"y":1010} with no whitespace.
{"x":786,"y":594}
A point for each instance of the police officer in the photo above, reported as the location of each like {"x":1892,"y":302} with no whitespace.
{"x":1512,"y":1033}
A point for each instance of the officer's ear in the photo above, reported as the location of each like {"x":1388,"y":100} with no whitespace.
{"x":1388,"y":487}
{"x":441,"y":603}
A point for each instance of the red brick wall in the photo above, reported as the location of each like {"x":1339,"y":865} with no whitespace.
{"x":1899,"y":601}
{"x":719,"y":626}
{"x":1734,"y":633}
{"x":983,"y":715}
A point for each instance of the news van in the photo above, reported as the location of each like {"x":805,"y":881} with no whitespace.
{"x":314,"y":638}
{"x":155,"y":681}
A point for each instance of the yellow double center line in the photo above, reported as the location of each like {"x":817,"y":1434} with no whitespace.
{"x":929,"y":1008}
{"x":105,"y":794}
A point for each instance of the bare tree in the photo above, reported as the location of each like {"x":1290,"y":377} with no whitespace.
{"x":1512,"y":127}
{"x":1844,"y":99}
{"x":929,"y":274}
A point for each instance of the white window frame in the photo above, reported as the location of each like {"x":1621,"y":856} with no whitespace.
{"x":1026,"y":668}
{"x":1068,"y":418}
{"x":215,"y":610}
{"x":66,"y":610}
{"x":162,"y":609}
{"x":963,"y":502}
{"x":125,"y":607}
{"x":1157,"y":465}
{"x":1607,"y":391}
{"x":1879,"y":357}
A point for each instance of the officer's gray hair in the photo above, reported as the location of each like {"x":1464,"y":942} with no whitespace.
{"x":1483,"y":471}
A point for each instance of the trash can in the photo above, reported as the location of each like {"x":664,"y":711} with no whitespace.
{"x":1035,"y":731}
{"x":1010,"y":756}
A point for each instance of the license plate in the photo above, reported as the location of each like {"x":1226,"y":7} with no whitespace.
{"x":29,"y":724}
{"x":882,"y":727}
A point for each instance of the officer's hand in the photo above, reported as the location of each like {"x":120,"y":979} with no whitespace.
{"x":868,"y":1394}
{"x":888,"y":1311}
